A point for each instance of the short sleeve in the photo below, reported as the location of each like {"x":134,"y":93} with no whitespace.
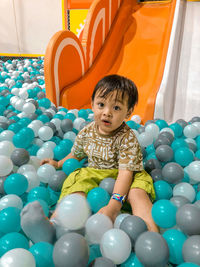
{"x":78,"y":148}
{"x":130,"y":155}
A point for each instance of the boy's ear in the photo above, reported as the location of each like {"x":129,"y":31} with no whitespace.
{"x":92,"y":105}
{"x":129,"y":112}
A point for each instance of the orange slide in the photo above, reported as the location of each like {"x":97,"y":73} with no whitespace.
{"x":120,"y":36}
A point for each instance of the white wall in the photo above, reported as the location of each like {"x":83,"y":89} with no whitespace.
{"x":26,"y":26}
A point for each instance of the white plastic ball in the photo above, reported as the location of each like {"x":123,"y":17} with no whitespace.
{"x":18,"y":257}
{"x":45,"y":171}
{"x":68,"y":209}
{"x":6,"y":148}
{"x":6,"y":165}
{"x":116,"y":246}
{"x":45,"y":133}
{"x":29,"y":108}
{"x":11,"y":200}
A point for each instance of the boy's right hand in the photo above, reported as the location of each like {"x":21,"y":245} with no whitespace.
{"x":49,"y":161}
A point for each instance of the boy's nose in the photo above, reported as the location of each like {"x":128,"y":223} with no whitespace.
{"x":107,"y":112}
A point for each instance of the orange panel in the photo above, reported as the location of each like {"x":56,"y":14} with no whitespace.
{"x":79,"y":4}
{"x":139,"y":54}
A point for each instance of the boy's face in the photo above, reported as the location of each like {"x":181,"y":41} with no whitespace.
{"x":110,"y":112}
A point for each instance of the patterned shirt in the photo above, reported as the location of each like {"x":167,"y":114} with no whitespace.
{"x":119,"y":150}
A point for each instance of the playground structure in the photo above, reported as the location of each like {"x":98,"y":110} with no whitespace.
{"x":128,"y":38}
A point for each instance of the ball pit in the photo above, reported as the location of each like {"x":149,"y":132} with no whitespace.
{"x":32,"y":128}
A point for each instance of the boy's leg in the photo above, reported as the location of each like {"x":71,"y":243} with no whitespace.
{"x":36,"y":225}
{"x":141,"y":207}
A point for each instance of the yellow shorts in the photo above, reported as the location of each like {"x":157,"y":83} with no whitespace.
{"x":85,"y":179}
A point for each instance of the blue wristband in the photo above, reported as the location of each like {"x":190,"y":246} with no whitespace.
{"x":118,"y":197}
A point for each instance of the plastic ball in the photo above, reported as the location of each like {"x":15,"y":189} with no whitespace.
{"x":71,"y":250}
{"x":6,"y":165}
{"x":12,"y":240}
{"x":153,"y":129}
{"x":70,"y":165}
{"x":115,"y":245}
{"x":38,"y":193}
{"x":132,"y":261}
{"x":96,"y":226}
{"x":44,"y":152}
{"x":179,"y":201}
{"x":56,"y":180}
{"x":43,"y":254}
{"x":16,"y":183}
{"x":66,"y":125}
{"x":184,"y":189}
{"x":10,"y":220}
{"x":177,"y":129}
{"x":145,"y":139}
{"x":77,"y":123}
{"x":70,"y":135}
{"x":133,"y":226}
{"x":151,"y":249}
{"x":98,"y":198}
{"x":175,"y":240}
{"x":108,"y":184}
{"x":163,"y":190}
{"x":183,"y":156}
{"x":68,"y":209}
{"x":164,"y":153}
{"x":45,"y":133}
{"x":172,"y":172}
{"x":190,"y":131}
{"x":6,"y":148}
{"x":18,"y":257}
{"x":161,"y":124}
{"x":29,"y":108}
{"x":32,"y":178}
{"x":164,"y":213}
{"x":45,"y":171}
{"x":20,"y":156}
{"x":119,"y":219}
{"x":187,"y":218}
{"x":11,"y":200}
{"x":194,"y":170}
{"x":191,"y":249}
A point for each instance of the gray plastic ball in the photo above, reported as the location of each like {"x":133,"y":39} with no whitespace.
{"x":152,"y":164}
{"x":66,"y":125}
{"x":168,"y":135}
{"x":133,"y":226}
{"x":161,"y":140}
{"x":56,"y":181}
{"x":191,"y":249}
{"x":188,"y":218}
{"x":71,"y":250}
{"x":51,"y":125}
{"x":2,"y":179}
{"x":41,"y":95}
{"x":156,"y":175}
{"x":108,"y":184}
{"x":179,"y":201}
{"x":164,"y":153}
{"x":152,"y":250}
{"x":4,"y":125}
{"x":20,"y":156}
{"x":172,"y":172}
{"x":182,"y":122}
{"x":102,"y":262}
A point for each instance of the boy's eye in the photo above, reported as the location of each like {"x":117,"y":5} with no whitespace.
{"x":100,"y":105}
{"x":116,"y":108}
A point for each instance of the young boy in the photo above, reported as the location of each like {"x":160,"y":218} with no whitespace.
{"x":112,"y":150}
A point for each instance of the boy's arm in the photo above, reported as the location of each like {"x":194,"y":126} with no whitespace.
{"x":122,"y":186}
{"x":58,"y":164}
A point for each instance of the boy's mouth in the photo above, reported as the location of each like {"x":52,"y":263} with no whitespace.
{"x":106,"y":122}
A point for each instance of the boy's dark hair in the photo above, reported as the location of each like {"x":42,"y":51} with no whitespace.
{"x":118,"y":83}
